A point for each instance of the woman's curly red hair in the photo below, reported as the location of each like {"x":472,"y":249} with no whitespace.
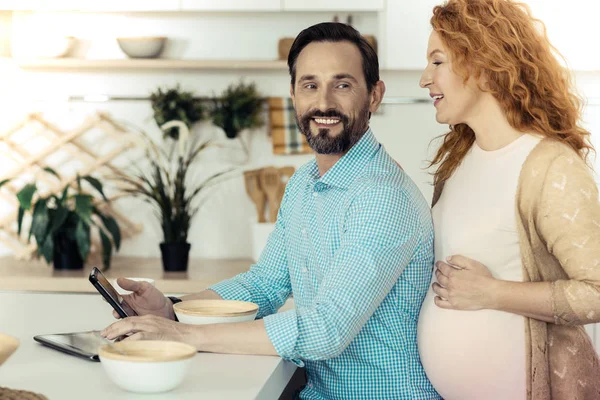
{"x":501,"y":40}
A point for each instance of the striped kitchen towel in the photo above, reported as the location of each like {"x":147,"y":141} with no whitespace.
{"x":285,"y":135}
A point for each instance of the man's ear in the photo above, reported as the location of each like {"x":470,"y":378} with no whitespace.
{"x":292,"y":95}
{"x":377,"y":94}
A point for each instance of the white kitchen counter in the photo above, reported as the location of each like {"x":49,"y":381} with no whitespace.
{"x":60,"y":376}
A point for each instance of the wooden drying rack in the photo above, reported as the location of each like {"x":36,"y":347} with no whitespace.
{"x":67,"y":141}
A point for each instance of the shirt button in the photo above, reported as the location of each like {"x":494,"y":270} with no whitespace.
{"x":304,"y":232}
{"x":315,"y":194}
{"x":304,"y":269}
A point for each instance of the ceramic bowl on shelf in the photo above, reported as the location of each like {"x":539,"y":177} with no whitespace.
{"x":43,"y":47}
{"x":8,"y":345}
{"x":147,"y":366}
{"x":142,"y":47}
{"x":200,"y":312}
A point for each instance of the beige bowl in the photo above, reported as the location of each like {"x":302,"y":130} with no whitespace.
{"x":147,"y":366}
{"x":142,"y":47}
{"x":8,"y":345}
{"x":201,"y":312}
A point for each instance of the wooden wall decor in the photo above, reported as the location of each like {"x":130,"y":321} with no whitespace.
{"x":32,"y":163}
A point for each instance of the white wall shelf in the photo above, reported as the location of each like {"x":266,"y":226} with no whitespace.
{"x":73,"y":64}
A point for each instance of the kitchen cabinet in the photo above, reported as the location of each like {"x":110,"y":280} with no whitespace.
{"x":91,"y":6}
{"x":404,"y":32}
{"x":334,"y":5}
{"x":230,"y":5}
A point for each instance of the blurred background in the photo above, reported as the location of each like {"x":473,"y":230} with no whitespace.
{"x":77,"y":79}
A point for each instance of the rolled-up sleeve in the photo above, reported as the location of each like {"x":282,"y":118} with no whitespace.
{"x":267,"y":283}
{"x":379,"y":238}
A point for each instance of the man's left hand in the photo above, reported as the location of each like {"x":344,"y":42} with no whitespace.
{"x":151,"y":327}
{"x":463,"y":284}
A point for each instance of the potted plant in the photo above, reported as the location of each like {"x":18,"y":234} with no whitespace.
{"x":166,"y":186}
{"x":238,"y":108}
{"x":61,"y":225}
{"x":176,"y":104}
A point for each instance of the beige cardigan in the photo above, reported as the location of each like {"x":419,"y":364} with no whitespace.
{"x":558,"y":221}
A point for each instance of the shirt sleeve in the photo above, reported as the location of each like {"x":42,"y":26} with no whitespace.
{"x":267,"y":283}
{"x":380,"y":236}
{"x":568,"y":220}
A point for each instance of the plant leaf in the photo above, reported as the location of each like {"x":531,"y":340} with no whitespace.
{"x":39,"y":222}
{"x":113,"y":227}
{"x":59,"y":219}
{"x":48,"y":249}
{"x":83,"y":206}
{"x":20,"y":219}
{"x":4,"y":181}
{"x":106,"y":249}
{"x":78,"y":183}
{"x":26,"y":194}
{"x":96,"y":184}
{"x":82,"y":238}
{"x":51,"y":171}
{"x":64,"y":194}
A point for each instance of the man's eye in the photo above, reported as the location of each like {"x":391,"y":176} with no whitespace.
{"x":310,"y":86}
{"x":343,"y":86}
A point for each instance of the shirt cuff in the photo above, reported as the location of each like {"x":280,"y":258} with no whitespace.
{"x":282,"y":330}
{"x":231,"y":290}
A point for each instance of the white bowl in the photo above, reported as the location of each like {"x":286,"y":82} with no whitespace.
{"x":123,"y":292}
{"x":43,"y":46}
{"x":8,"y":345}
{"x":147,"y":366}
{"x":142,"y":47}
{"x":201,"y":312}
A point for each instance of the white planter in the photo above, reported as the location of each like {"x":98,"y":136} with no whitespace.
{"x":260,"y":234}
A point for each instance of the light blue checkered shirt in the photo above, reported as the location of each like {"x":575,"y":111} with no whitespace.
{"x":355,"y":247}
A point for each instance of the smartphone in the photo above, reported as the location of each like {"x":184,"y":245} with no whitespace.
{"x":107,"y":291}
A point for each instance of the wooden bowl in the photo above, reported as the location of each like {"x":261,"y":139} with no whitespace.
{"x":200,"y":312}
{"x":8,"y":345}
{"x":147,"y":366}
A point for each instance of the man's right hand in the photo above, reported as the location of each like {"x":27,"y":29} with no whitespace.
{"x":145,"y":299}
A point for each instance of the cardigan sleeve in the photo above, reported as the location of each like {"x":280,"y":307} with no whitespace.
{"x":568,"y":220}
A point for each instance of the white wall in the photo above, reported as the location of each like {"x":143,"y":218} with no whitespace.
{"x":221,"y":229}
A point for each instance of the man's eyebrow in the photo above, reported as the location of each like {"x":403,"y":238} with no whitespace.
{"x":306,"y":78}
{"x":345,"y":76}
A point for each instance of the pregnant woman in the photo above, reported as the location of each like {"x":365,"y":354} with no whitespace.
{"x":516,"y":214}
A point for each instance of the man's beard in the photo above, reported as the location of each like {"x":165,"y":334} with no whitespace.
{"x":323,"y":142}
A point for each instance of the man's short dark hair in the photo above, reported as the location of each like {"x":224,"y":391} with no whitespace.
{"x":336,"y":32}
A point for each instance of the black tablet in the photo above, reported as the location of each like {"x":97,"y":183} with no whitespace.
{"x":80,"y":344}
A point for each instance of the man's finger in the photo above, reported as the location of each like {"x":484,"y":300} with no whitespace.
{"x":128,"y":284}
{"x":140,"y":336}
{"x":125,"y":326}
{"x":444,"y":268}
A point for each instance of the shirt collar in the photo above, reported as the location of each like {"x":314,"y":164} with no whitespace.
{"x":350,"y":166}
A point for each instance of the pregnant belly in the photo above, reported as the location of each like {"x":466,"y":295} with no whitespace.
{"x":472,"y":354}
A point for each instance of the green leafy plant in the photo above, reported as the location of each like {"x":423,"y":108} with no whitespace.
{"x":176,"y":104}
{"x":239,"y":107}
{"x":57,"y":222}
{"x":166,"y":184}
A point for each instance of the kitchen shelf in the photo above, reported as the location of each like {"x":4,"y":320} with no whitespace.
{"x":74,"y":64}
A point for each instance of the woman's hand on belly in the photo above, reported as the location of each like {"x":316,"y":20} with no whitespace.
{"x":463,"y":284}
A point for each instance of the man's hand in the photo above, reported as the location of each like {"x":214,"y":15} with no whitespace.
{"x":145,"y":300}
{"x":151,"y":327}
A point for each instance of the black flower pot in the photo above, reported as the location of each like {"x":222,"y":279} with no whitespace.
{"x":66,"y":254}
{"x":175,"y":256}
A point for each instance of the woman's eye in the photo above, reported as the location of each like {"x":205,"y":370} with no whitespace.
{"x":437,"y":62}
